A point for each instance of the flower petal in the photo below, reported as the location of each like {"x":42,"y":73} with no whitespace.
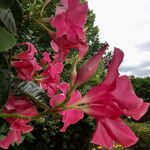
{"x":115,"y":130}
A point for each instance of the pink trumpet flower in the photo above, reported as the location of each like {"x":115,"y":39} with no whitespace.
{"x":25,"y":63}
{"x":108,"y":101}
{"x":90,"y":66}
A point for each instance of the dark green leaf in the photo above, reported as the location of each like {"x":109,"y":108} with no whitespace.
{"x":7,"y":40}
{"x":5,"y":80}
{"x":7,"y":18}
{"x":5,"y":4}
{"x":29,"y":137}
{"x":1,"y":136}
{"x":32,"y":91}
{"x":4,"y":128}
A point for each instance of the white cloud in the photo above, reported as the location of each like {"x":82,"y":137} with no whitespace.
{"x":144,"y":46}
{"x":124,"y":24}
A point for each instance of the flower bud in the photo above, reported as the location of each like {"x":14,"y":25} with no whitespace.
{"x":90,"y":66}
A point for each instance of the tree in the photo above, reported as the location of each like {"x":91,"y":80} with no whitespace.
{"x":141,"y":88}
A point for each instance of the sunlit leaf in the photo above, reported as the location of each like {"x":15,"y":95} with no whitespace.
{"x":32,"y":91}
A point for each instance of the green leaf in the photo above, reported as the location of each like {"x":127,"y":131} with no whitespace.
{"x":1,"y":136}
{"x":7,"y":40}
{"x":5,"y":4}
{"x":29,"y":137}
{"x":5,"y":80}
{"x":7,"y":18}
{"x":32,"y":91}
{"x":4,"y":128}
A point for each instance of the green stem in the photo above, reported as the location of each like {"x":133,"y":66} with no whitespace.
{"x":14,"y":115}
{"x":43,"y":20}
{"x":67,"y":99}
{"x":44,"y":113}
{"x":45,"y":4}
{"x":73,"y":72}
{"x":83,"y":107}
{"x":72,"y":85}
{"x":50,"y":32}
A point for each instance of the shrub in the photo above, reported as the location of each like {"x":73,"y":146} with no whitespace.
{"x":142,"y":130}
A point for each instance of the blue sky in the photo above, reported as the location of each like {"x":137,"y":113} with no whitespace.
{"x":126,"y":24}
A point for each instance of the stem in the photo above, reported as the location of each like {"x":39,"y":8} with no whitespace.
{"x":43,"y":20}
{"x":50,"y":32}
{"x":45,"y":4}
{"x":72,"y":85}
{"x":44,"y":113}
{"x":14,"y":115}
{"x":77,"y":107}
{"x":67,"y":99}
{"x":10,"y":55}
{"x":73,"y":71}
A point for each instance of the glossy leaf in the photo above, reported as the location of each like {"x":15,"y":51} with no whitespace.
{"x":32,"y":91}
{"x":7,"y":40}
{"x":7,"y":18}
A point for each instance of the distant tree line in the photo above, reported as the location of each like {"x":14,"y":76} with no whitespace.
{"x":142,"y":89}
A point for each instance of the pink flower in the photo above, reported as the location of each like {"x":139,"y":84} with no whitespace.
{"x":22,"y":107}
{"x":90,"y":66}
{"x":110,"y":131}
{"x":67,"y":21}
{"x":69,"y":28}
{"x":12,"y":136}
{"x":108,"y":101}
{"x":116,"y":91}
{"x":69,"y":116}
{"x":25,"y":63}
{"x":62,"y":46}
{"x":50,"y":77}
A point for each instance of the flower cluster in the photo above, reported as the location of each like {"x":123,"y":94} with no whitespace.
{"x":107,"y":102}
{"x":20,"y":106}
{"x":69,"y":22}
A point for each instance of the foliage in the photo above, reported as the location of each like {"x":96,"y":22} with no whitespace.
{"x":76,"y":137}
{"x":142,"y":130}
{"x":92,"y":34}
{"x":7,"y":22}
{"x":7,"y":18}
{"x":7,"y":40}
{"x":141,"y":88}
{"x":5,"y":80}
{"x":5,"y":4}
